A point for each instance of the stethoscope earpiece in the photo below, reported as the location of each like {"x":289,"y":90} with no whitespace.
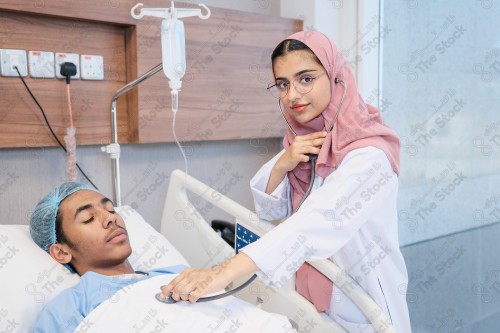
{"x":337,"y":80}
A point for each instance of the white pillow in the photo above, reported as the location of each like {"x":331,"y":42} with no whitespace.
{"x":150,"y":249}
{"x":30,"y":278}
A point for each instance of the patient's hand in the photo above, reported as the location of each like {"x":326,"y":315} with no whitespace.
{"x":192,"y":284}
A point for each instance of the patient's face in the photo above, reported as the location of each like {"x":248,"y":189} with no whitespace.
{"x":97,"y":232}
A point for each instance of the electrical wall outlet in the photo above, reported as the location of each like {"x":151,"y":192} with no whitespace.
{"x":10,"y":59}
{"x":41,"y":64}
{"x":92,"y":67}
{"x":45,"y":64}
{"x":66,"y":57}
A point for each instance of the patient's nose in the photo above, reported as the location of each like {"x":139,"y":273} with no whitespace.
{"x":108,"y":219}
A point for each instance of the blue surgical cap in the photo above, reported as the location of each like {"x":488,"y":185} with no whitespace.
{"x":43,"y":219}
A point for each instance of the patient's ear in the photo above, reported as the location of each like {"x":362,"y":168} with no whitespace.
{"x":60,"y":253}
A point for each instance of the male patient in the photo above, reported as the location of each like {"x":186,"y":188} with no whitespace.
{"x":79,"y":228}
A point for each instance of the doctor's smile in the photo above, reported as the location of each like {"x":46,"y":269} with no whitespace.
{"x":299,"y":107}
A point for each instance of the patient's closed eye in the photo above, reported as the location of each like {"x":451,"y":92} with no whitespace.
{"x":109,"y":206}
{"x":89,"y":220}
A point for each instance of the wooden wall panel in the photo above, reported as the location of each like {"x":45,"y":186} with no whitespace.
{"x":113,"y":11}
{"x":90,"y":99}
{"x":223,"y":94}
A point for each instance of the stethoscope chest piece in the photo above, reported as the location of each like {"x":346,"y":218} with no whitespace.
{"x":167,"y":300}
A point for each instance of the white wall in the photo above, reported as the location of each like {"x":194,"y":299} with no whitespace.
{"x":353,"y":27}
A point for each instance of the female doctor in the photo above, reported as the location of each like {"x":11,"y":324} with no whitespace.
{"x":350,"y":214}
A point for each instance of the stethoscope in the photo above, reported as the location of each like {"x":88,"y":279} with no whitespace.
{"x":312,"y":159}
{"x":170,"y":300}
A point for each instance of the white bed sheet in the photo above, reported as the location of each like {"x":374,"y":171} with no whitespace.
{"x":135,"y":309}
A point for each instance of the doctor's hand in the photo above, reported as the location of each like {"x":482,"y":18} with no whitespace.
{"x":297,"y":152}
{"x":192,"y":284}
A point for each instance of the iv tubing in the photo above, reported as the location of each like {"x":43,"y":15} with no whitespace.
{"x":175,"y":102}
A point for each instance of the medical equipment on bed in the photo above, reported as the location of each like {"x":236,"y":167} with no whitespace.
{"x":312,"y":157}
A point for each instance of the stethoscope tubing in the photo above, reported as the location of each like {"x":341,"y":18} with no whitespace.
{"x":312,"y":157}
{"x":170,"y":300}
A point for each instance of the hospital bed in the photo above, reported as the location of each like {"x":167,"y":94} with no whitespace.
{"x":29,"y":278}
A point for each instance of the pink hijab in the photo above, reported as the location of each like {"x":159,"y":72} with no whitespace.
{"x":358,"y":125}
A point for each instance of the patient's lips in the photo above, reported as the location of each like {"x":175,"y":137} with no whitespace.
{"x":117,"y":235}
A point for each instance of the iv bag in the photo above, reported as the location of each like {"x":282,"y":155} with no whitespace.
{"x":173,"y":52}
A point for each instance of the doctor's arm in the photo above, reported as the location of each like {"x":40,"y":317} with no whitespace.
{"x":192,"y":284}
{"x":329,"y":218}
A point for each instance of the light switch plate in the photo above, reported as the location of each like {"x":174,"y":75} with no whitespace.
{"x":41,"y":64}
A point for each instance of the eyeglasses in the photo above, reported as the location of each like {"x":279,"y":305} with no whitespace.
{"x":303,"y":84}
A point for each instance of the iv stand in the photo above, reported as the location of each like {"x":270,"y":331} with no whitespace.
{"x":113,"y":149}
{"x":173,"y":55}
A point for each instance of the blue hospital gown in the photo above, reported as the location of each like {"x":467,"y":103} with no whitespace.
{"x":68,"y":309}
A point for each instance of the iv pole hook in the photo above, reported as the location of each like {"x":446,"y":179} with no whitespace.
{"x":138,"y":12}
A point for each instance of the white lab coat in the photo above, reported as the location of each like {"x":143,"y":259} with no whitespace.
{"x":349,"y":217}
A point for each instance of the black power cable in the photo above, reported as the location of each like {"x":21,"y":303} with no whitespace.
{"x":50,"y":127}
